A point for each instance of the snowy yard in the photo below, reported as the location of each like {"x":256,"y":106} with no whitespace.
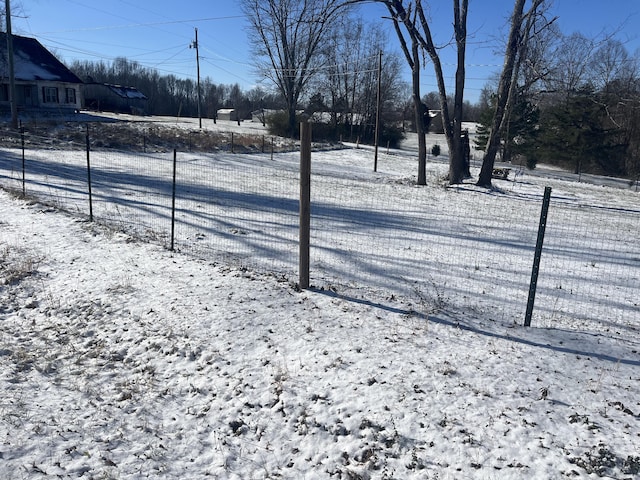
{"x":120,"y":359}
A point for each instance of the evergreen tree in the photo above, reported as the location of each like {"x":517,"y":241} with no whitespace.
{"x":574,"y":134}
{"x":521,"y":136}
{"x":486,"y":107}
{"x":482,"y":130}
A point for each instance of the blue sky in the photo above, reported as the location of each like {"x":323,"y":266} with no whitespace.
{"x":157,"y":33}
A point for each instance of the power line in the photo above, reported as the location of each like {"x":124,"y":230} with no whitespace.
{"x":137,"y":25}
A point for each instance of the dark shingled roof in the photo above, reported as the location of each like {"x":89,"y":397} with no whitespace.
{"x":33,"y":62}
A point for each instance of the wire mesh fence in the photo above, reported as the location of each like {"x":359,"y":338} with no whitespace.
{"x":239,"y":208}
{"x":440,"y":247}
{"x":590,"y":273}
{"x":133,"y":193}
{"x":373,"y":236}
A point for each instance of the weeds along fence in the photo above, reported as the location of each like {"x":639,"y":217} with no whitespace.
{"x":376,"y":237}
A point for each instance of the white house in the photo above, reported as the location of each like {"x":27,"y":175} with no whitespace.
{"x":42,"y":82}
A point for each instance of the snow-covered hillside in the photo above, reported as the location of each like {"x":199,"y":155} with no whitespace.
{"x":120,"y":359}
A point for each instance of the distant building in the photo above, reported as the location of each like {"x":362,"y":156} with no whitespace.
{"x":105,"y":97}
{"x":228,"y":114}
{"x":42,"y":82}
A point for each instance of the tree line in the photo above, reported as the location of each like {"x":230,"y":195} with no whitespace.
{"x":567,"y":100}
{"x":576,"y":105}
{"x":172,"y":95}
{"x":558,"y":99}
{"x":342,"y":93}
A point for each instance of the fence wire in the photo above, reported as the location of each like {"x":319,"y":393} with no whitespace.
{"x":239,"y":208}
{"x":590,"y":271}
{"x":376,"y":236}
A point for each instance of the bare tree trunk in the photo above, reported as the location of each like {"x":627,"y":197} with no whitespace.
{"x":457,"y":163}
{"x":291,"y":114}
{"x":507,"y":78}
{"x":453,"y":129}
{"x":413,"y":58}
{"x":420,"y":113}
{"x":409,"y":15}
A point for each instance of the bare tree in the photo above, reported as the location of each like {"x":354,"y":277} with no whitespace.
{"x":453,"y":130}
{"x":17,"y":9}
{"x":405,"y":23}
{"x":345,"y":57}
{"x":616,"y":75}
{"x":521,"y":26}
{"x":571,"y":64}
{"x":286,"y":36}
{"x":350,"y":77}
{"x":535,"y":64}
{"x":610,"y":62}
{"x":410,"y":14}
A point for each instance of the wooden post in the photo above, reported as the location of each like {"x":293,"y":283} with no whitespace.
{"x":12,"y":74}
{"x":305,"y":203}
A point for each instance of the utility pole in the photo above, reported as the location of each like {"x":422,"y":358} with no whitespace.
{"x":196,"y":46}
{"x":377,"y":132}
{"x":12,"y":72}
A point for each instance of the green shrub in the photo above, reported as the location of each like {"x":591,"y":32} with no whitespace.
{"x":391,"y":135}
{"x":278,"y":124}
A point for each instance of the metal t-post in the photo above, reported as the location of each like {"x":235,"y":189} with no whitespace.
{"x":538,"y":254}
{"x":173,"y":200}
{"x":89,"y":174}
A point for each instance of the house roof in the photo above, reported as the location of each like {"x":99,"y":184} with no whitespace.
{"x":122,"y":91}
{"x":33,"y":62}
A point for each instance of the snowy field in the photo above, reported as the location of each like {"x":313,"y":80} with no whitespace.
{"x":467,"y":248}
{"x":120,"y":359}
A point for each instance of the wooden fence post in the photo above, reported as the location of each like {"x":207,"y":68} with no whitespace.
{"x":305,"y":203}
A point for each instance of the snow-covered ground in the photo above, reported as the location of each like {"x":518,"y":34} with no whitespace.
{"x":120,"y":359}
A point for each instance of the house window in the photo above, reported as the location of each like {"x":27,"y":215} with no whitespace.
{"x":71,"y":95}
{"x":50,"y":95}
{"x":27,"y":94}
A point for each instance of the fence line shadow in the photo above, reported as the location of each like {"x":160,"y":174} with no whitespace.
{"x":441,"y":319}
